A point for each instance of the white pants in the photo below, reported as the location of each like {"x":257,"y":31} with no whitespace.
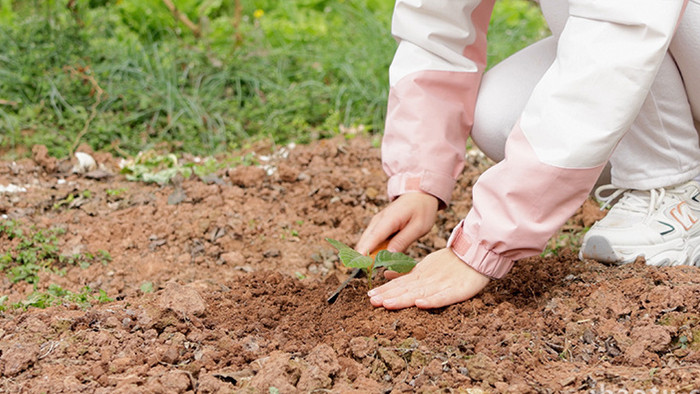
{"x":660,"y":149}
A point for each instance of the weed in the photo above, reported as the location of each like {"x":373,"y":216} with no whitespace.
{"x":38,"y":250}
{"x":35,"y":251}
{"x":397,"y":261}
{"x":115,"y":192}
{"x":564,"y":239}
{"x":73,"y":200}
{"x":146,"y":287}
{"x":56,"y":295}
{"x":65,"y":202}
{"x":151,"y":167}
{"x":104,"y":256}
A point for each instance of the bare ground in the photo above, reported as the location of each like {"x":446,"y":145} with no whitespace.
{"x":239,"y":274}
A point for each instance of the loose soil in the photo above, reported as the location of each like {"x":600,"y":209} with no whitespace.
{"x":220,"y":285}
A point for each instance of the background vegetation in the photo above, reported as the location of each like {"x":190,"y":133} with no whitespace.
{"x":130,"y":75}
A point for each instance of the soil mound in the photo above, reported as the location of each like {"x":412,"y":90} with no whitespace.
{"x":219,"y":285}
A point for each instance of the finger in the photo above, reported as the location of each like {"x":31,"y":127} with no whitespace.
{"x":391,"y":275}
{"x":390,"y":291}
{"x":400,"y":290}
{"x":368,"y":240}
{"x":405,"y":300}
{"x":409,"y":234}
{"x":427,"y":292}
{"x":377,"y":231}
{"x":386,"y":287}
{"x":441,"y":298}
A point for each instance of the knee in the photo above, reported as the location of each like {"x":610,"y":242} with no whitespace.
{"x":490,"y":130}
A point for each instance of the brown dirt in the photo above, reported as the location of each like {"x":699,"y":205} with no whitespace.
{"x":240,"y":274}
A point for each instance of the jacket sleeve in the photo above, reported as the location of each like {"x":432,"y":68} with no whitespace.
{"x":434,"y":79}
{"x":607,"y":58}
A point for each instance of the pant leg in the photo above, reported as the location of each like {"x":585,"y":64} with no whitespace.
{"x":685,"y":49}
{"x":504,"y":90}
{"x":665,"y":136}
{"x":507,"y":86}
{"x":661,"y":147}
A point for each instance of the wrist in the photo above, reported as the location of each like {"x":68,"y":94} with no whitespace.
{"x":427,"y":182}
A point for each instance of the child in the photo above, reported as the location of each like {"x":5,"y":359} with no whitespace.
{"x":554,"y":113}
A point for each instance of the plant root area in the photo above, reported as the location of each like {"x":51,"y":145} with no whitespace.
{"x":219,"y":285}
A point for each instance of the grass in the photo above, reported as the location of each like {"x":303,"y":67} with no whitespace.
{"x":124,"y":76}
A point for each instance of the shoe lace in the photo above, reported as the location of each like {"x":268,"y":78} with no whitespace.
{"x":641,"y":201}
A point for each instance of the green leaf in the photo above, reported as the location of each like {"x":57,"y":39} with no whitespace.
{"x":398,"y":262}
{"x":349,"y":256}
{"x":147,"y":287}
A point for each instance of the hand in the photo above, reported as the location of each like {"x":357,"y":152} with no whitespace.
{"x":410,"y":216}
{"x":439,"y":280}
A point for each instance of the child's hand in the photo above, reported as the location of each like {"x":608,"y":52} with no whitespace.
{"x":410,"y":216}
{"x":439,"y":280}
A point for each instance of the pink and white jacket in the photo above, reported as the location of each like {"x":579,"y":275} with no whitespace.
{"x":607,"y":57}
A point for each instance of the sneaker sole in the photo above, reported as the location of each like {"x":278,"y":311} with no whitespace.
{"x":674,"y":252}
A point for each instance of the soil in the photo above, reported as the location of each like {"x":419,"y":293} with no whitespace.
{"x":220,"y":284}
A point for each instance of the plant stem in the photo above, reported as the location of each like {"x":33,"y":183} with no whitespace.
{"x":370,"y":272}
{"x":182,"y":17}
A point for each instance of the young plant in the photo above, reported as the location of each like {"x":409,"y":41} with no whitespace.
{"x":397,"y":261}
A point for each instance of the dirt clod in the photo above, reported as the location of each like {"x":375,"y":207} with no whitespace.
{"x":482,"y":368}
{"x":17,"y":357}
{"x":182,"y":299}
{"x":362,"y":347}
{"x":40,"y":155}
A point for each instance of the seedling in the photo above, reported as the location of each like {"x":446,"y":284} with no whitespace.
{"x":115,"y":192}
{"x":394,"y":261}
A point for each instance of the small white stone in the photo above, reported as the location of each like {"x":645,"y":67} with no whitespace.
{"x":12,"y":188}
{"x":86,"y":163}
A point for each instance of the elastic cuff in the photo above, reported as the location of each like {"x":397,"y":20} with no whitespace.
{"x":478,"y":257}
{"x":429,"y":182}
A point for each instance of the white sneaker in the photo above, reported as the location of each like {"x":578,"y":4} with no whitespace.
{"x":659,"y":224}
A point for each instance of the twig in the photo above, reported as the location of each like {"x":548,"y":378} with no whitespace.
{"x":83,"y":74}
{"x":8,"y":102}
{"x":182,"y":18}
{"x":115,"y":146}
{"x":237,"y":15}
{"x":72,"y":7}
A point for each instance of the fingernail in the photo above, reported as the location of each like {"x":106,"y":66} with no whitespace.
{"x":376,"y":300}
{"x":371,"y":293}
